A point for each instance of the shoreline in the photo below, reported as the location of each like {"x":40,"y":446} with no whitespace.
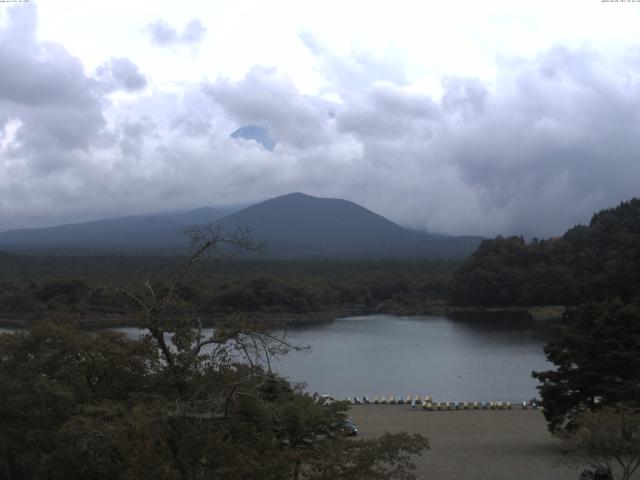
{"x":295,"y":320}
{"x":289,"y":320}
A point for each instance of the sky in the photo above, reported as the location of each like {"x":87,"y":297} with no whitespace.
{"x":465,"y":117}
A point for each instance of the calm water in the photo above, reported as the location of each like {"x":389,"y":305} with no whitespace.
{"x":431,"y":355}
{"x":451,"y":360}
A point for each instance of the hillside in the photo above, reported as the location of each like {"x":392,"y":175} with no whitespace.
{"x":589,"y":262}
{"x":156,"y":232}
{"x":294,"y":225}
{"x":299,"y":225}
{"x":297,"y":217}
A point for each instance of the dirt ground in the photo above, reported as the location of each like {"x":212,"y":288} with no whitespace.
{"x":474,"y":444}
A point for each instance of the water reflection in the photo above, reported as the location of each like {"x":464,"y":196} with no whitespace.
{"x":517,"y":330}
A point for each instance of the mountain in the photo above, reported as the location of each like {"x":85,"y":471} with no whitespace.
{"x":299,"y":225}
{"x":300,"y":217}
{"x":256,"y":133}
{"x":294,"y":225}
{"x":156,"y":232}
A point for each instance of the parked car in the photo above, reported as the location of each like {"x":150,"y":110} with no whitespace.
{"x":596,"y":474}
{"x":348,"y":428}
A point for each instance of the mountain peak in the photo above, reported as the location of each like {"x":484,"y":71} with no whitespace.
{"x":296,"y":216}
{"x":256,"y":133}
{"x":294,"y":195}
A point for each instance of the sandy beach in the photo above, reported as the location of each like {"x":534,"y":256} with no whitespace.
{"x":474,"y":444}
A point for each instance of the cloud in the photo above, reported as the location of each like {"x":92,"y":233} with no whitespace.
{"x":133,"y":135}
{"x":359,"y":67}
{"x":37,"y":74}
{"x":120,"y":74}
{"x":388,"y":111}
{"x":465,"y":96}
{"x":547,"y":141}
{"x":193,"y":32}
{"x":164,"y":34}
{"x":267,"y":98}
{"x":553,"y":143}
{"x":47,"y":91}
{"x":194,"y":114}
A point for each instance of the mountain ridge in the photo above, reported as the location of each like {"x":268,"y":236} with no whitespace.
{"x":304,"y":215}
{"x":295,"y":225}
{"x":127,"y":230}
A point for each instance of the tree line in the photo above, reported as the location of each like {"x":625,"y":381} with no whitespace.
{"x":35,"y":286}
{"x":592,"y":396}
{"x":589,"y":262}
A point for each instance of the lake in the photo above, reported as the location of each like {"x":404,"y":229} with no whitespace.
{"x":451,"y":360}
{"x":479,"y":359}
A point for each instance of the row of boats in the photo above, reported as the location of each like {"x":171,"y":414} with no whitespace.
{"x":427,"y":403}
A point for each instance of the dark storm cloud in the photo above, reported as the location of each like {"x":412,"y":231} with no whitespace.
{"x":120,"y":74}
{"x":164,"y":34}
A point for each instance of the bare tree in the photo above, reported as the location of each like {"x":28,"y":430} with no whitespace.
{"x":178,"y":336}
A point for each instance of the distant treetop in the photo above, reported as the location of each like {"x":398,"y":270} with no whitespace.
{"x":588,"y":262}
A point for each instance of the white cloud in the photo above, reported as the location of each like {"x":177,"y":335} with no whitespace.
{"x":164,"y":34}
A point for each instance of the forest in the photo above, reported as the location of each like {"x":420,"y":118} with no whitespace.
{"x":589,"y":262}
{"x":32,"y":286}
